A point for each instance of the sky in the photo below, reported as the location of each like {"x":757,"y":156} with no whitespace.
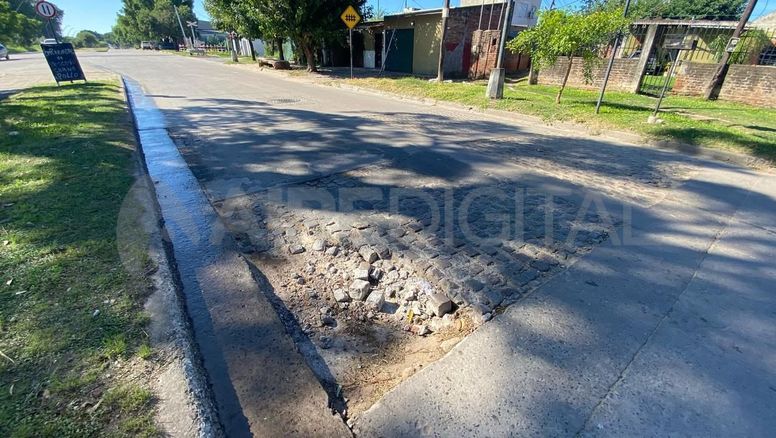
{"x":100,"y":15}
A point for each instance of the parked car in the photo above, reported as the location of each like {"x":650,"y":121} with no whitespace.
{"x":149,"y":45}
{"x":168,"y":45}
{"x":4,"y":53}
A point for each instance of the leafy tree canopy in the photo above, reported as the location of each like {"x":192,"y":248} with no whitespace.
{"x":677,"y":9}
{"x":308,"y":23}
{"x":568,"y":34}
{"x":151,"y":20}
{"x":21,"y":25}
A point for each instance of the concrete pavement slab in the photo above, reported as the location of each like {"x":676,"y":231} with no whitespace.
{"x":544,"y":366}
{"x":710,"y":367}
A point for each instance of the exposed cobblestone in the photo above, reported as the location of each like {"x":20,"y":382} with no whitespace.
{"x":385,"y":254}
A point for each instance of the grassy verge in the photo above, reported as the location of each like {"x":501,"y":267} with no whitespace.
{"x":71,"y":315}
{"x":93,"y":49}
{"x":689,"y":120}
{"x":22,"y":49}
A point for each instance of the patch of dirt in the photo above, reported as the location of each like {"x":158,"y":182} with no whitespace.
{"x":369,"y":348}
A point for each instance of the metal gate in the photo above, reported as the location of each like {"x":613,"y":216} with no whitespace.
{"x":398,"y":56}
{"x":659,"y":65}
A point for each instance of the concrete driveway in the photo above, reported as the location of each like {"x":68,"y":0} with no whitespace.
{"x":665,"y":326}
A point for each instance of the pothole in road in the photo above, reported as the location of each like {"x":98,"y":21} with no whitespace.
{"x":385,"y":280}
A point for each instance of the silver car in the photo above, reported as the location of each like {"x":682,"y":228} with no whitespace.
{"x":4,"y":53}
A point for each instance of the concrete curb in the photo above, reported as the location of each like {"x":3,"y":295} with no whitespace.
{"x":258,"y":380}
{"x":194,"y":374}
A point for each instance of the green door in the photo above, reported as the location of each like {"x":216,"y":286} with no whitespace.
{"x":399,"y":54}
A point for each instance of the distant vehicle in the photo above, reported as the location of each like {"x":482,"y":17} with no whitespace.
{"x":168,"y":45}
{"x":49,"y":41}
{"x":4,"y":52}
{"x":149,"y":45}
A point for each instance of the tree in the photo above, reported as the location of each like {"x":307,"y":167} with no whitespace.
{"x":239,"y":16}
{"x":141,"y":20}
{"x":87,"y":38}
{"x":687,"y":9}
{"x":309,"y":23}
{"x":20,"y":26}
{"x":568,"y":34}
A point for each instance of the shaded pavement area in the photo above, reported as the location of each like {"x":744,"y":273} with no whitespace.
{"x":665,"y":326}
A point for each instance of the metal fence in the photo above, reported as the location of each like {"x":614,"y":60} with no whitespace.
{"x":711,"y":39}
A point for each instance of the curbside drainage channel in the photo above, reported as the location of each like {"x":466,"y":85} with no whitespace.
{"x":259,"y":382}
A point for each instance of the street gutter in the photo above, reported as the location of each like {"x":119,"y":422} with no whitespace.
{"x":260,"y":384}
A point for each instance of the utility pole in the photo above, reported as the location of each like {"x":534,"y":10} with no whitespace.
{"x":180,"y":23}
{"x":712,"y":91}
{"x":495,"y":88}
{"x":441,"y":65}
{"x":611,"y":61}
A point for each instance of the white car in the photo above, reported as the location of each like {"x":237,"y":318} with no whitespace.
{"x":4,"y":53}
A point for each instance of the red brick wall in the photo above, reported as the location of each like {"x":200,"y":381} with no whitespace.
{"x":752,"y":84}
{"x":622,"y":77}
{"x":461,"y":26}
{"x":693,"y":77}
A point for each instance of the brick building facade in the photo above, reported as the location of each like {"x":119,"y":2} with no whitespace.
{"x":471,"y":41}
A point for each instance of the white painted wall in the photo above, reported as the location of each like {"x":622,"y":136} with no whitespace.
{"x":524,"y":14}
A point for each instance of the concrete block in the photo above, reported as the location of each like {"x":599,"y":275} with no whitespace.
{"x":359,"y":290}
{"x":439,"y":304}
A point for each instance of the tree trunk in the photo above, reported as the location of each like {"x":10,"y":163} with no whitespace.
{"x":565,"y":79}
{"x":253,"y":51}
{"x":279,"y":42}
{"x":309,"y":54}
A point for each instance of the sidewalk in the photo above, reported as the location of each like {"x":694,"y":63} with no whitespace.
{"x":671,"y":336}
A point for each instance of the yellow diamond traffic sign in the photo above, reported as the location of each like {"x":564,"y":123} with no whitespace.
{"x":350,"y":17}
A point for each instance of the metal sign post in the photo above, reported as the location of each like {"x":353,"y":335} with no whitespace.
{"x":60,"y":57}
{"x":676,"y":42}
{"x":48,"y":12}
{"x":351,"y":18}
{"x":350,"y":38}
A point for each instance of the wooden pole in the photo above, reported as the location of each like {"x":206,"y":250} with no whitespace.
{"x":713,"y":89}
{"x":441,"y":65}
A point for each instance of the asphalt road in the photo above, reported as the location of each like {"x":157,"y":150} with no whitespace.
{"x":673,"y":333}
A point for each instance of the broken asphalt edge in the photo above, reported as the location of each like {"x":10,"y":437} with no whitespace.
{"x":212,"y":364}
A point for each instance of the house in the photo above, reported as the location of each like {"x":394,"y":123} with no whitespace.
{"x":409,"y":42}
{"x":710,"y":36}
{"x":767,"y":21}
{"x":208,"y":34}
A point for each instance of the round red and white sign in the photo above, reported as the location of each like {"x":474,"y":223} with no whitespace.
{"x":46,"y":9}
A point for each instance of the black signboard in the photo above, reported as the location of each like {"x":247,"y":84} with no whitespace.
{"x":63,"y":62}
